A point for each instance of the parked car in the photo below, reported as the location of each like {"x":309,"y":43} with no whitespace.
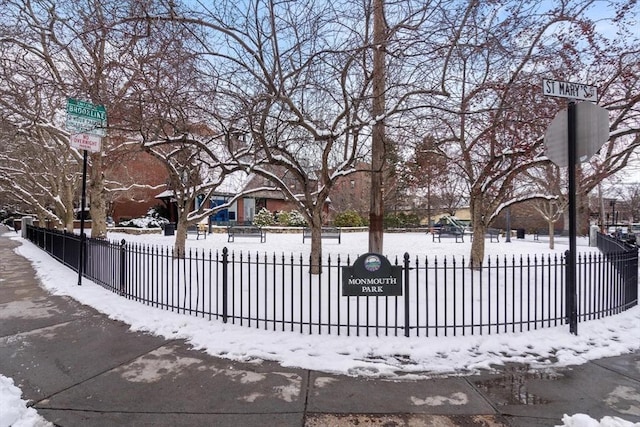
{"x":624,"y":233}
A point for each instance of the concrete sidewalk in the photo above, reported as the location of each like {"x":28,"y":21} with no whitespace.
{"x":79,"y":368}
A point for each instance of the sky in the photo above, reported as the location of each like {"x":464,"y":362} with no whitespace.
{"x":361,"y":356}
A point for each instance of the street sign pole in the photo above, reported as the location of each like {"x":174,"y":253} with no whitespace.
{"x":88,"y":124}
{"x":572,"y":297}
{"x":82,"y":215}
{"x":593,"y":132}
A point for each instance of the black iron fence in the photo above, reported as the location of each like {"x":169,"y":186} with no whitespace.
{"x":441,"y":296}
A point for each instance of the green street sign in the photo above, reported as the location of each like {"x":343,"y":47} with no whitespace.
{"x":84,"y":117}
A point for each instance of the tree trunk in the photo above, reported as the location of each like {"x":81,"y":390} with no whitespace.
{"x":68,"y":220}
{"x":180,"y":243}
{"x":376,"y":211}
{"x":551,"y":235}
{"x":583,"y":220}
{"x":42,"y":219}
{"x":316,"y":241}
{"x":65,"y":210}
{"x":602,"y":216}
{"x":98,"y":208}
{"x":477,"y":245}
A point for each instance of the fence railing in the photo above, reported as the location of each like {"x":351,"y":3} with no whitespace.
{"x":609,"y":244}
{"x":441,"y":296}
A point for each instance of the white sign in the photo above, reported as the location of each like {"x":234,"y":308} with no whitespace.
{"x":569,"y":90}
{"x":86,"y":141}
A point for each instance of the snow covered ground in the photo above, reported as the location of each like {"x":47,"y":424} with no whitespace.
{"x":363,"y":356}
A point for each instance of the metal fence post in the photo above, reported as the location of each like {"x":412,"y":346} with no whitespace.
{"x":123,"y":267}
{"x":225,"y":285}
{"x":571,"y":303}
{"x":406,"y":294}
{"x":567,"y":291}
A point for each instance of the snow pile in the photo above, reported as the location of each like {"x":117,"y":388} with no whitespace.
{"x":582,"y":420}
{"x":14,"y":411}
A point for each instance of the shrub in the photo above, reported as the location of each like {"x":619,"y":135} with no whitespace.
{"x":148,"y":221}
{"x":348,"y":218}
{"x":263,"y":218}
{"x":296,"y":219}
{"x":393,"y":220}
{"x":159,"y":211}
{"x":283,"y":218}
{"x":290,"y":219}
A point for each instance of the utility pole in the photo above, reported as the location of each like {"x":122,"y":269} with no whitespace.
{"x":376,"y":207}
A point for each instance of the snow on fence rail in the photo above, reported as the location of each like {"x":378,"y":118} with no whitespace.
{"x":441,"y":296}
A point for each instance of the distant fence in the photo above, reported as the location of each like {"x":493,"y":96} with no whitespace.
{"x":441,"y":296}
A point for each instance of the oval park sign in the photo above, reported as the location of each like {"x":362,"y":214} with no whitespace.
{"x":372,"y":275}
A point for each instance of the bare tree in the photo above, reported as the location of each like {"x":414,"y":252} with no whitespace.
{"x":197,"y":168}
{"x":496,"y":114}
{"x":632,"y":197}
{"x":37,"y":167}
{"x":549,"y":194}
{"x":430,"y":174}
{"x":613,"y":58}
{"x":295,"y":90}
{"x":299,"y":77}
{"x":55,"y":51}
{"x":40,"y":177}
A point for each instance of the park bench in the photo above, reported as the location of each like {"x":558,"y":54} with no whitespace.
{"x":198,"y":230}
{"x":544,"y":232}
{"x":448,"y":231}
{"x":325,"y":233}
{"x":234,"y":231}
{"x":493,"y":234}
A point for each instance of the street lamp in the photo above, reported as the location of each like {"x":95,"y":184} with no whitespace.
{"x":508,"y":237}
{"x":612,"y":203}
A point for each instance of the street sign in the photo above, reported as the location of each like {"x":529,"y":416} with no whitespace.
{"x":86,"y":141}
{"x":87,"y":118}
{"x":569,"y":90}
{"x":565,"y":133}
{"x":592,"y":131}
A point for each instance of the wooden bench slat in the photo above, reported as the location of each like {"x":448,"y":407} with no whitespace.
{"x":325,"y":233}
{"x":544,"y":232}
{"x":245,"y":231}
{"x":448,"y":232}
{"x":492,"y":233}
